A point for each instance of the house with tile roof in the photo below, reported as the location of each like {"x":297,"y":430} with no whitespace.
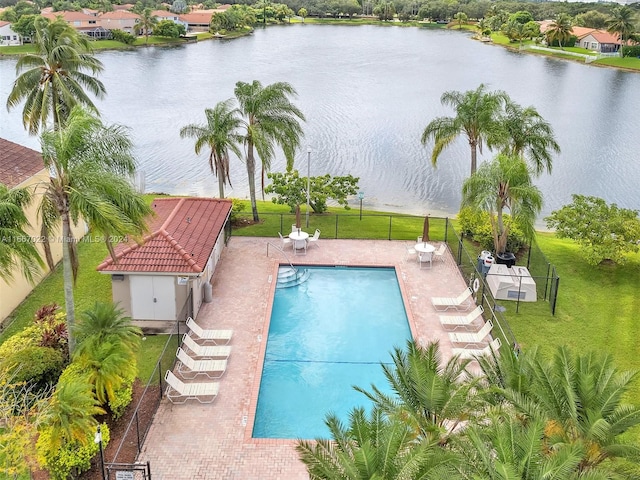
{"x":119,"y":20}
{"x":22,"y":167}
{"x":162,"y":279}
{"x":7,"y":35}
{"x":599,"y":41}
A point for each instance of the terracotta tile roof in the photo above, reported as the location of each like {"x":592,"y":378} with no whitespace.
{"x":119,"y":15}
{"x":602,"y":36}
{"x":124,"y":6}
{"x":3,"y":23}
{"x":200,"y":18}
{"x":69,"y":16}
{"x":581,"y":31}
{"x":183,"y":234}
{"x":18,"y":163}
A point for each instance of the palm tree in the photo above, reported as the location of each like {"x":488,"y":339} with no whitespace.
{"x":16,"y":247}
{"x":55,"y":78}
{"x":622,"y":22}
{"x":476,"y":117}
{"x":560,"y":29}
{"x":427,"y":394}
{"x":528,"y":135}
{"x":90,"y":166}
{"x":504,"y":183}
{"x":269,"y":118}
{"x":219,"y":134}
{"x":376,"y":447}
{"x":146,"y":22}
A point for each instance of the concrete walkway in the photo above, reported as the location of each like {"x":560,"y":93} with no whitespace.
{"x":213,"y":441}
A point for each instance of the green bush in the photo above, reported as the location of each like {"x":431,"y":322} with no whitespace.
{"x":29,"y":337}
{"x":122,"y":36}
{"x":237,"y":206}
{"x":39,"y":365}
{"x":477,"y":225}
{"x":633,"y":51}
{"x":72,"y":458}
{"x":123,"y":397}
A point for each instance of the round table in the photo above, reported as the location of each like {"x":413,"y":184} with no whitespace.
{"x":299,"y":240}
{"x":424,"y":247}
{"x":298,"y":235}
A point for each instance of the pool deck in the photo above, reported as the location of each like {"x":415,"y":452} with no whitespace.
{"x":213,"y":441}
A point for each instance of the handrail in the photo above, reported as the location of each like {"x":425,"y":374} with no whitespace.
{"x":285,"y":256}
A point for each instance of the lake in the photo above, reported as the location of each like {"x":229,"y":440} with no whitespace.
{"x":367,"y":93}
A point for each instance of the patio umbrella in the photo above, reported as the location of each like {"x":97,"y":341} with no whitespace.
{"x":298,"y":223}
{"x":425,"y":229}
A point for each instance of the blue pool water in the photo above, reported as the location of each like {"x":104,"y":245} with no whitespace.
{"x":326,"y":335}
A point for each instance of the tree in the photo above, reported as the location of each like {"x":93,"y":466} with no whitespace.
{"x":591,"y":19}
{"x":504,"y":183}
{"x":179,"y":6}
{"x":476,"y":117}
{"x":622,"y":23}
{"x":17,"y":249}
{"x":269,"y":118}
{"x":528,"y":135}
{"x":53,"y":80}
{"x":560,"y":29}
{"x":604,"y":232}
{"x":25,"y":26}
{"x":427,"y":394}
{"x":461,"y":19}
{"x":377,"y":447}
{"x":291,"y":189}
{"x":146,"y":23}
{"x":219,"y":135}
{"x":303,"y":13}
{"x":169,"y":29}
{"x":90,"y":164}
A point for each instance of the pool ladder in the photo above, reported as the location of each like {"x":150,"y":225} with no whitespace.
{"x":289,"y":276}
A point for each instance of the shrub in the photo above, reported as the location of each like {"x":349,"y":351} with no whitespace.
{"x":72,"y":458}
{"x":29,"y":337}
{"x":39,"y":365}
{"x":477,"y":225}
{"x":122,"y":397}
{"x":632,"y":51}
{"x":122,"y":36}
{"x":237,"y":206}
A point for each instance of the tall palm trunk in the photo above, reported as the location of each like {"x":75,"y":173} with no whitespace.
{"x":67,"y":274}
{"x":474,"y":156}
{"x":251,"y":171}
{"x":221,"y":185}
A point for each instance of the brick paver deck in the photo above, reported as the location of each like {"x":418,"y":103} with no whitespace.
{"x":213,"y":441}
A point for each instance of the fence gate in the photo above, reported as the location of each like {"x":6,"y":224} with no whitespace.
{"x":128,"y":471}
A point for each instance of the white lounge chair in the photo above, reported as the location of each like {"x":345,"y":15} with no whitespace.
{"x":179,"y":392}
{"x":410,"y":252}
{"x":314,"y":240}
{"x":217,"y":337}
{"x":461,"y":302}
{"x":471,"y":353}
{"x":439,"y":253}
{"x":425,"y":257}
{"x":462,"y":321}
{"x":471,"y":338}
{"x":285,"y":241}
{"x":190,"y":368}
{"x":210,"y":352}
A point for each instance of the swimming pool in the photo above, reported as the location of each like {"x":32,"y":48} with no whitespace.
{"x":326,"y":335}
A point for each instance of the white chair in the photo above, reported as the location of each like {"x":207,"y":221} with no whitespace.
{"x":211,"y":351}
{"x":294,"y":228}
{"x":410,"y":253}
{"x":285,"y":241}
{"x":425,"y":257}
{"x":439,"y":253}
{"x":314,"y":240}
{"x":471,"y":338}
{"x":472,"y":353}
{"x":217,"y":337}
{"x":190,"y":368}
{"x":299,"y":245}
{"x":179,"y":392}
{"x":461,"y":302}
{"x":462,"y":321}
{"x":419,"y":240}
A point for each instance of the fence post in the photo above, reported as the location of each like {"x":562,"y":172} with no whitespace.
{"x":529,"y":255}
{"x":390,"y":219}
{"x":337,"y":216}
{"x":460,"y":249}
{"x":555,"y":296}
{"x":446,"y":230}
{"x":546,"y":282}
{"x":159,"y":364}
{"x":148,"y":470}
{"x":138,"y":432}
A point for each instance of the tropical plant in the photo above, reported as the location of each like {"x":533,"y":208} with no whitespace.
{"x":476,"y":117}
{"x":90,"y":165}
{"x":560,"y":29}
{"x":504,"y":183}
{"x":604,"y":232}
{"x":526,"y":134}
{"x":622,"y":23}
{"x":461,"y":19}
{"x":17,"y":250}
{"x":219,"y":135}
{"x":269,"y":119}
{"x":377,"y":447}
{"x":169,"y":29}
{"x":428,"y":395}
{"x":52,"y":81}
{"x":146,"y":23}
{"x":303,"y":13}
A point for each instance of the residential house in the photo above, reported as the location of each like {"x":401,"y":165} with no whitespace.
{"x":7,"y":35}
{"x":198,"y":21}
{"x":163,"y":279}
{"x":599,"y":41}
{"x":119,"y":20}
{"x":84,"y":23}
{"x":174,"y":17}
{"x":22,"y":167}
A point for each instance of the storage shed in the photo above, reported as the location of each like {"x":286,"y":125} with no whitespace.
{"x":513,"y":283}
{"x":162,"y":279}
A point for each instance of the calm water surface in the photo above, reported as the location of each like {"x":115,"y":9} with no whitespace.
{"x":367,"y":93}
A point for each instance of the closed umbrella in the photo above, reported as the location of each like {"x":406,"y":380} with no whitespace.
{"x":298,"y":223}
{"x":425,"y":229}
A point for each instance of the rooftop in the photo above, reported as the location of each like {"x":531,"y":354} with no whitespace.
{"x":18,"y":163}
